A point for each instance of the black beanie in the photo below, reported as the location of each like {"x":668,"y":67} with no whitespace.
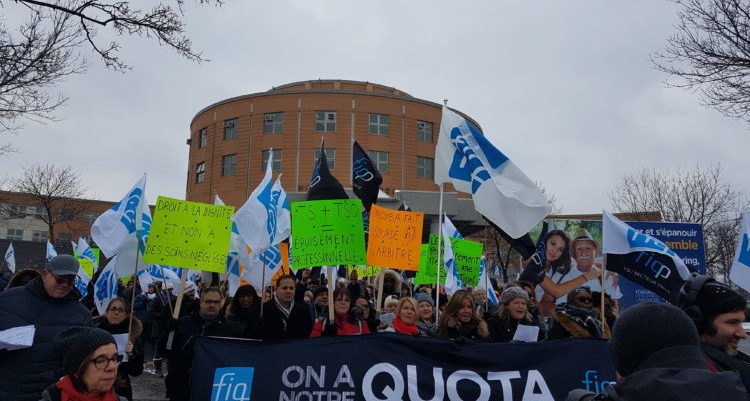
{"x":73,"y":345}
{"x":319,"y":290}
{"x":645,"y":328}
{"x":715,"y":298}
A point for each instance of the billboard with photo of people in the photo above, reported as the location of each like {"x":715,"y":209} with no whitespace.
{"x":584,"y":251}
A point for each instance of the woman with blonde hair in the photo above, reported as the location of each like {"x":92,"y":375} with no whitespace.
{"x":459,"y":319}
{"x":406,"y":318}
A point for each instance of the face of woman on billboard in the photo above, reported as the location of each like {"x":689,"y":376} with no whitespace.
{"x":555,"y":247}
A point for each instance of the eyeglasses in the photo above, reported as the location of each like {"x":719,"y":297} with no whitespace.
{"x":343,"y":300}
{"x":585,"y":300}
{"x":116,"y":309}
{"x":211,"y":302}
{"x":67,"y":279}
{"x":102,"y":362}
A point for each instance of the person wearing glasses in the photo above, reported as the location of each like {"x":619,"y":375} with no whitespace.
{"x":209,"y":320}
{"x":345,"y":322}
{"x":89,"y":359}
{"x":578,"y":318}
{"x":117,"y":321}
{"x":49,"y":303}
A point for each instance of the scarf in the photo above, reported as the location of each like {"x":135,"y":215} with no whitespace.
{"x":284,"y":311}
{"x":404,"y":328}
{"x":69,"y":393}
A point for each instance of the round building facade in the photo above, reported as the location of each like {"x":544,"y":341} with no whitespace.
{"x":231,"y":140}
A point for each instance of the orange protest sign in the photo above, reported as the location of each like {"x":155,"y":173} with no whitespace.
{"x":395,"y":238}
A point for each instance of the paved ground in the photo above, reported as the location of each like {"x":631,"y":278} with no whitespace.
{"x":148,"y":387}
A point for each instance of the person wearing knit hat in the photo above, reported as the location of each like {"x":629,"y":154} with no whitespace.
{"x":655,"y":350}
{"x":89,"y":358}
{"x":717,"y":312}
{"x":512,"y":312}
{"x":426,"y":312}
{"x":319,"y":306}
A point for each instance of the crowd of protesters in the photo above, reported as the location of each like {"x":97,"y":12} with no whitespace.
{"x":294,"y":307}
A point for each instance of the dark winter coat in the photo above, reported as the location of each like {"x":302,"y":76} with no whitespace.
{"x":25,"y":373}
{"x":52,"y":393}
{"x":473,"y":330}
{"x":134,"y":365}
{"x":572,"y":321}
{"x":676,"y":373}
{"x":247,"y":321}
{"x":277,"y":327}
{"x":183,"y":344}
{"x":503,"y":329}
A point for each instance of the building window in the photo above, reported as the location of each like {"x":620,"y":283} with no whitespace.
{"x":203,"y":137}
{"x":325,"y":121}
{"x":228,"y":165}
{"x":37,"y":212}
{"x":89,"y":216}
{"x":330,"y":157}
{"x":276,"y":165}
{"x":14,"y":234}
{"x":230,"y":129}
{"x":379,"y":160}
{"x":39,"y":236}
{"x":378,"y":124}
{"x":273,"y":123}
{"x":425,"y":167}
{"x":424,"y":131}
{"x":200,"y":172}
{"x":16,"y":211}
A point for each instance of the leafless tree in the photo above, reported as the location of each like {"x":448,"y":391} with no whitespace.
{"x":710,"y":53}
{"x":682,"y":195}
{"x":58,"y":190}
{"x":39,"y":54}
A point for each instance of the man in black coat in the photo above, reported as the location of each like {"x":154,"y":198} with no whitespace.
{"x":50,"y":303}
{"x":208,"y":321}
{"x":283,"y":318}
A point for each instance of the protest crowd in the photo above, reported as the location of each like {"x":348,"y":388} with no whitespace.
{"x":87,"y":342}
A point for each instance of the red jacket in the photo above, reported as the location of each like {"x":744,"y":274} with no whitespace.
{"x":343,"y":327}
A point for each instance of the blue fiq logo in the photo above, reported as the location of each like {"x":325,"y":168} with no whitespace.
{"x":232,"y":384}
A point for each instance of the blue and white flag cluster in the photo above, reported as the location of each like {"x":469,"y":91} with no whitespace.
{"x":501,"y":191}
{"x":485,"y":282}
{"x":740,"y":271}
{"x":51,"y":251}
{"x":10,"y":258}
{"x":236,"y":248}
{"x":105,"y":287}
{"x":453,"y":280}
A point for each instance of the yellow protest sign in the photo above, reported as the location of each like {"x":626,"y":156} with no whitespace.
{"x":87,"y":265}
{"x":395,"y":238}
{"x":363,"y":271}
{"x":190,"y":235}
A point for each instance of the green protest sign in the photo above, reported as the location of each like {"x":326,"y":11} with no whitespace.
{"x":87,"y":266}
{"x":428,"y":260}
{"x":190,"y":235}
{"x":363,"y":271}
{"x":327,"y":232}
{"x":467,"y":255}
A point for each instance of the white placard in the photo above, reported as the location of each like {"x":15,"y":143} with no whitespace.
{"x":17,"y":338}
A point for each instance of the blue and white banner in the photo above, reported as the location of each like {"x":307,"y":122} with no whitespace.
{"x":484,"y":281}
{"x":740,"y":271}
{"x":265,"y":219}
{"x":453,"y":281}
{"x":171,"y":275}
{"x":10,"y":258}
{"x":642,"y":258}
{"x":105,"y":287}
{"x":388,"y":366}
{"x":51,"y":251}
{"x":501,"y":191}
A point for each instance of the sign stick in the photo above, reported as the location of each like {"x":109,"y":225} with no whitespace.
{"x":180,"y":294}
{"x":136,"y":287}
{"x":439,"y":256}
{"x":169,"y":299}
{"x":379,"y":306}
{"x":263,"y":278}
{"x":331,"y":288}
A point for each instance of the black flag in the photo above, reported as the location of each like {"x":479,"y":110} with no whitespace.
{"x":404,"y":207}
{"x":366,"y":179}
{"x":523,"y":245}
{"x":323,"y":185}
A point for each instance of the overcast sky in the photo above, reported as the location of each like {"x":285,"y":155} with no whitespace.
{"x":565,"y":89}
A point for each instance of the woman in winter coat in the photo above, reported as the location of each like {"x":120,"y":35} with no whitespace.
{"x":345,"y":323}
{"x":244,"y":311}
{"x":116,"y":321}
{"x":459,"y":319}
{"x":577,"y":318}
{"x":426,"y":313}
{"x":513,"y":311}
{"x":89,"y":359}
{"x":406,"y":318}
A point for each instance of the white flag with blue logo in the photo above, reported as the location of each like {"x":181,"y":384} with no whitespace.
{"x":253,"y":273}
{"x":82,"y":281}
{"x":51,"y":252}
{"x":642,"y":258}
{"x":10,"y":258}
{"x":484,"y":281}
{"x":501,"y":191}
{"x":170,"y":275}
{"x":83,"y":250}
{"x":453,"y":281}
{"x":236,"y":245}
{"x":264,"y":220}
{"x":105,"y":287}
{"x":144,"y":279}
{"x":740,"y":271}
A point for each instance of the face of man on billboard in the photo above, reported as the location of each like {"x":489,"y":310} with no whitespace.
{"x":585,"y":252}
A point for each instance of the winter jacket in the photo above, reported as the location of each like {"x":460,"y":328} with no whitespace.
{"x":676,"y":373}
{"x":247,"y":321}
{"x":344,"y":327}
{"x":428,"y":328}
{"x":25,"y":373}
{"x":134,"y":365}
{"x":183,"y":344}
{"x":277,"y":326}
{"x":475,"y":329}
{"x":503,"y":329}
{"x":573,"y":321}
{"x":52,"y":393}
{"x":718,"y":360}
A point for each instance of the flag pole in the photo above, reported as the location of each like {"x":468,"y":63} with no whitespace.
{"x":379,"y":306}
{"x":263,"y":280}
{"x":331,"y":299}
{"x":603,"y":280}
{"x":439,"y":255}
